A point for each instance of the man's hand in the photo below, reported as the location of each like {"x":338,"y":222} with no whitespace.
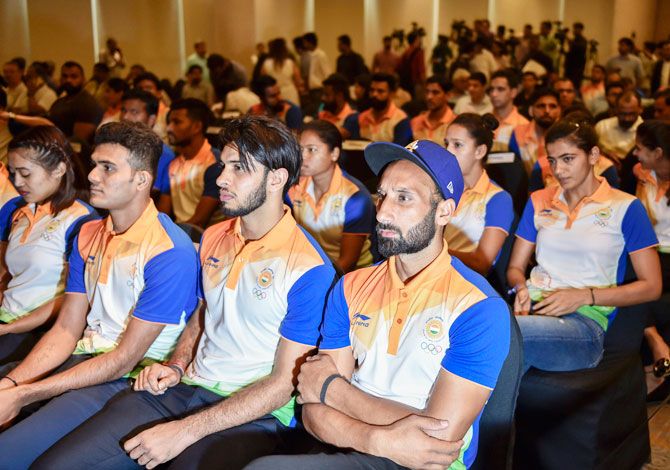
{"x":10,"y":405}
{"x":313,"y":373}
{"x":563,"y":302}
{"x":159,"y":444}
{"x":414,"y":442}
{"x":522,"y":301}
{"x":156,"y":378}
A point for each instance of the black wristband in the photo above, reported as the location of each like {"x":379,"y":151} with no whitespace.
{"x":177,"y":368}
{"x":326,"y":384}
{"x":593,"y":298}
{"x":11,"y":380}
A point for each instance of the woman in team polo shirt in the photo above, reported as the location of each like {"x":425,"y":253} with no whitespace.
{"x":38,"y":236}
{"x":581,"y":233}
{"x":332,"y":206}
{"x":484,"y":215}
{"x":652,"y":148}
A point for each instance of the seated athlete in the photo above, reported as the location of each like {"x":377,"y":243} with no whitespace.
{"x":130,"y":290}
{"x":581,"y":233}
{"x":334,"y":207}
{"x":411,"y":347}
{"x":37,"y":237}
{"x":483,"y":219}
{"x":225,"y":395}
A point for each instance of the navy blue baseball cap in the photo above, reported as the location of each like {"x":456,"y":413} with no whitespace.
{"x":437,"y":161}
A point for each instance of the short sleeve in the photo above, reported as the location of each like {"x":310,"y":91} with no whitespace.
{"x":359,"y":214}
{"x":638,"y":233}
{"x":499,"y":211}
{"x":170,"y":280}
{"x":526,"y":228}
{"x":514,"y":145}
{"x":335,"y":328}
{"x":479,"y":342}
{"x":352,"y":126}
{"x":402,"y":133}
{"x":76,"y":268}
{"x":294,"y":118}
{"x":6,"y":213}
{"x":211,"y":174}
{"x":306,"y":303}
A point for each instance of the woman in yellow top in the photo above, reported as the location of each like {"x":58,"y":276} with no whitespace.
{"x":37,"y":237}
{"x":335,"y":208}
{"x":484,"y":216}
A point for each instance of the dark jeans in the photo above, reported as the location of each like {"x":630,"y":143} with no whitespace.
{"x":14,"y":347}
{"x":98,"y":442}
{"x":323,"y":461}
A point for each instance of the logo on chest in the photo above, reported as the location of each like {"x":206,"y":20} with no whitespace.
{"x":263,"y":283}
{"x":360,"y":320}
{"x":432,"y":333}
{"x":603,"y":216}
{"x":50,"y":229}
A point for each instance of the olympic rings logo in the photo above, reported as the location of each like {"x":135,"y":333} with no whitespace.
{"x":260,"y":294}
{"x":431,"y":348}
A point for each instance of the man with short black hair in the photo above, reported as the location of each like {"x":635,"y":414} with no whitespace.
{"x":273,"y":105}
{"x":335,"y":99}
{"x":150,"y":83}
{"x":383,"y":121}
{"x":190,"y":193}
{"x":432,"y":124}
{"x":141,"y":106}
{"x":566,"y":92}
{"x":385,"y":61}
{"x":96,"y":86}
{"x":613,"y":90}
{"x":199,"y":57}
{"x":130,"y":291}
{"x":476,"y":101}
{"x":225,"y":397}
{"x":76,"y":112}
{"x":503,"y":91}
{"x":617,"y":134}
{"x":627,"y":63}
{"x":350,"y":64}
{"x":662,"y":105}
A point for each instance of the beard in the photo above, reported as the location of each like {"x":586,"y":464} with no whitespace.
{"x":378,"y":105}
{"x":418,"y":237}
{"x":69,"y":89}
{"x":253,"y":201}
{"x":545,"y":123}
{"x":277,"y":108}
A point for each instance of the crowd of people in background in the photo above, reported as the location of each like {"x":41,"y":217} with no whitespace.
{"x":579,"y":131}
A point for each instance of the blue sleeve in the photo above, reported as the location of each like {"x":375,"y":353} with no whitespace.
{"x":514,"y":145}
{"x":170,"y":281}
{"x":535,"y":182}
{"x":359,"y":214}
{"x":402,"y":133}
{"x":199,"y":289}
{"x":73,"y":230}
{"x":612,"y":177}
{"x":352,"y":126}
{"x":526,"y":228}
{"x":499,"y":211}
{"x":294,"y":118}
{"x":335,"y":328}
{"x":162,"y":182}
{"x":6,"y":213}
{"x":636,"y":227}
{"x":76,"y":267}
{"x":306,"y":303}
{"x":211,"y":174}
{"x":479,"y":342}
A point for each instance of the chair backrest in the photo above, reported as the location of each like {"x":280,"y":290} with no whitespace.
{"x":497,"y":277}
{"x":496,"y":425}
{"x":512,"y":177}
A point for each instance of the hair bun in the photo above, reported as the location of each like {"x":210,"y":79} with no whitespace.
{"x":490,"y":122}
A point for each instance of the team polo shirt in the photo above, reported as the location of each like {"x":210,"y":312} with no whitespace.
{"x":586,"y":247}
{"x":162,"y":180}
{"x":652,"y":194}
{"x":38,"y":246}
{"x":529,"y":147}
{"x":503,"y":134}
{"x":337,"y":119}
{"x":290,"y":114}
{"x":187,"y":181}
{"x":345,"y":208}
{"x":257,"y":292}
{"x":393,"y":126}
{"x":403,"y":333}
{"x":542,"y":177}
{"x":422,"y":129}
{"x":485,"y":205}
{"x":148,"y":272}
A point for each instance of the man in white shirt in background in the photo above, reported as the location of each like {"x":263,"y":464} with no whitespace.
{"x":17,"y":92}
{"x":617,"y":134}
{"x":319,"y":69}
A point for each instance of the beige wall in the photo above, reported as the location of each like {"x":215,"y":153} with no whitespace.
{"x":148,"y":30}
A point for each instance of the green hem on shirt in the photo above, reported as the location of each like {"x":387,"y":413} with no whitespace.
{"x":285,"y":414}
{"x":597,"y":313}
{"x":664,"y":249}
{"x":9,"y":317}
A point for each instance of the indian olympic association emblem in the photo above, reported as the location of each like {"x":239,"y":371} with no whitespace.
{"x":336,"y":205}
{"x":263,"y":282}
{"x":50,"y":228}
{"x":602,"y":216}
{"x":433,"y":331}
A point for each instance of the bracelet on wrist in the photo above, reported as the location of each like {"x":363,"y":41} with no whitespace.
{"x":593,"y":298}
{"x":177,"y":368}
{"x":326,"y":384}
{"x":11,"y":380}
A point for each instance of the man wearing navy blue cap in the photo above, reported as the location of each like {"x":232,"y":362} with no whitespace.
{"x":411,"y":347}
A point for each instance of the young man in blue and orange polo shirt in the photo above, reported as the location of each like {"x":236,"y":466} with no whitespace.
{"x":432,"y":124}
{"x":384,"y":121}
{"x":273,"y":106}
{"x":335,"y":100}
{"x":224,"y":397}
{"x":131,"y":288}
{"x":186,"y":189}
{"x":408,"y":343}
